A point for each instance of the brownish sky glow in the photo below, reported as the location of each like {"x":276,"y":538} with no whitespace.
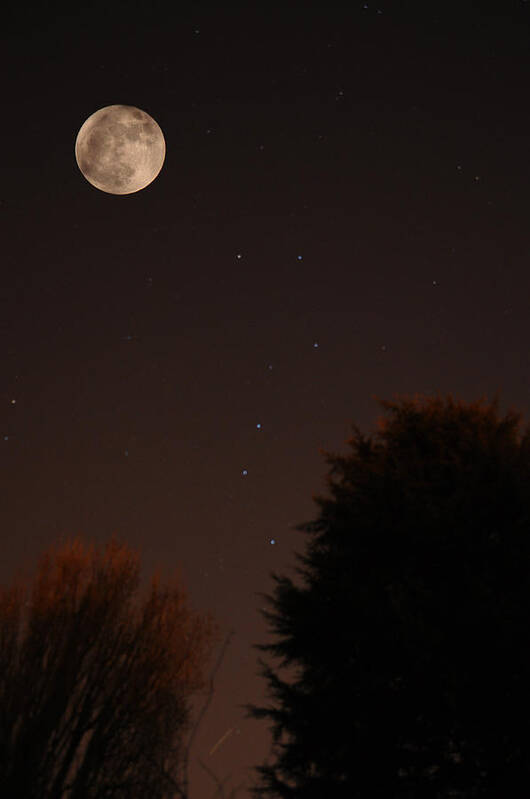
{"x":342,"y":213}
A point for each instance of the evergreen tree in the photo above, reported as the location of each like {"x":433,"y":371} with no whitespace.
{"x":410,"y":633}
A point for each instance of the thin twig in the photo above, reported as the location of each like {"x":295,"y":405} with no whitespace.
{"x":220,"y":788}
{"x":205,"y":707}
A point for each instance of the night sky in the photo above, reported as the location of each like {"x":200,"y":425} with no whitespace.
{"x":342,"y":215}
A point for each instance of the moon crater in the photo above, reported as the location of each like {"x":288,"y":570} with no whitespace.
{"x":120,"y":149}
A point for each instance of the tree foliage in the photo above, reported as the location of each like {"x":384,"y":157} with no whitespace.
{"x":94,"y":687}
{"x":410,"y":632}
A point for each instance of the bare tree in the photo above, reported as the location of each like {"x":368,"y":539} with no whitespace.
{"x":93,"y":689}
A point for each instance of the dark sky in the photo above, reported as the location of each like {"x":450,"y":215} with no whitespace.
{"x":342,"y":214}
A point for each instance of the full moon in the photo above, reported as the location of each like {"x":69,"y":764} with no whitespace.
{"x":120,"y":149}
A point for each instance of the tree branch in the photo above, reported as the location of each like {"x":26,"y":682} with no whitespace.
{"x":205,"y":707}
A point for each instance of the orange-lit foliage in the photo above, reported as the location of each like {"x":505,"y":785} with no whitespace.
{"x":94,"y":687}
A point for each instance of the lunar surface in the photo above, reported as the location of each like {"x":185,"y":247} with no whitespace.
{"x":120,"y":149}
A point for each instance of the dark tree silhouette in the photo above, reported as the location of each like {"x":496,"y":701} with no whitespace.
{"x":410,"y":634}
{"x":93,"y":689}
